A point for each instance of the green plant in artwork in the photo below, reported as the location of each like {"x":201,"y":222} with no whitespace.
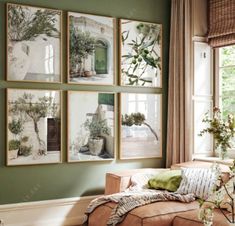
{"x":82,"y":44}
{"x":16,"y":127}
{"x":142,"y":53}
{"x":137,"y":119}
{"x":23,"y":25}
{"x":34,"y":110}
{"x":97,"y":127}
{"x":14,"y":145}
{"x":18,"y":143}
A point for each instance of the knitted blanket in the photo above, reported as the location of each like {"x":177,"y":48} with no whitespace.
{"x":127,"y":201}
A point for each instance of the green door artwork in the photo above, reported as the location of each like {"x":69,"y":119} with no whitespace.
{"x":101,"y":63}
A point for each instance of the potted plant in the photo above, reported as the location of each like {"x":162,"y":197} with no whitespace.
{"x":23,"y":28}
{"x":221,"y":129}
{"x":13,"y":147}
{"x":17,"y":146}
{"x":97,"y":127}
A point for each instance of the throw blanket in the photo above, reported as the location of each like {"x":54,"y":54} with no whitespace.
{"x":127,"y":201}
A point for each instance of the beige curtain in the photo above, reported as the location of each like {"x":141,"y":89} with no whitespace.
{"x":221,"y":23}
{"x":179,"y":90}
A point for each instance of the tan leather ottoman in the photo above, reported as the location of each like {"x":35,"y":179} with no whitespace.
{"x":191,"y":219}
{"x":158,"y":213}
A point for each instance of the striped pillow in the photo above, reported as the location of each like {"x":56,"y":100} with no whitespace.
{"x":199,"y":181}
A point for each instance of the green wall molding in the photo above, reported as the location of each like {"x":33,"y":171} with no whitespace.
{"x":44,"y":182}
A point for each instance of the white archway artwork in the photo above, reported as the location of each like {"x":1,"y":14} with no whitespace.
{"x":91,"y":49}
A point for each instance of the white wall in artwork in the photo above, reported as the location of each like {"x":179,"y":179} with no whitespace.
{"x":79,"y":105}
{"x":44,"y":55}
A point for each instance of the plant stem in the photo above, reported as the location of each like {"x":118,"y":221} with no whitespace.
{"x":154,"y":133}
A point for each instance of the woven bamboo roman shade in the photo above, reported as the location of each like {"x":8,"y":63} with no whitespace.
{"x":221,"y":23}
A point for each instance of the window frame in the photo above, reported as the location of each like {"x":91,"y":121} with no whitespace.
{"x":217,"y":84}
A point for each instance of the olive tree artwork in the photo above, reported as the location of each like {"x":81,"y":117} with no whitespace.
{"x":141,"y":53}
{"x":33,"y":126}
{"x":141,"y":126}
{"x":33,"y":44}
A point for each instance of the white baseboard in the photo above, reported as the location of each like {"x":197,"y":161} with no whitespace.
{"x":60,"y":212}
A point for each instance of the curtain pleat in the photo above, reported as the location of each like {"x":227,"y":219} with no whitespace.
{"x":179,"y":127}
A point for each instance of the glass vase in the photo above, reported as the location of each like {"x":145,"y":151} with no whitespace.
{"x":223,"y":152}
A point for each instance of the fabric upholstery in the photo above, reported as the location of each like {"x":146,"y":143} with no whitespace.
{"x":199,"y":181}
{"x":179,"y":142}
{"x":169,"y":180}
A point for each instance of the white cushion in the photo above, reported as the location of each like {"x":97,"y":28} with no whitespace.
{"x":199,"y":181}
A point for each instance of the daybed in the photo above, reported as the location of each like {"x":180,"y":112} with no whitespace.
{"x":167,"y":213}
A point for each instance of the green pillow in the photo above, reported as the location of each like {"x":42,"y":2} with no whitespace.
{"x":169,"y":180}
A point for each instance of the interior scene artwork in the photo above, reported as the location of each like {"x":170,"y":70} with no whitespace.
{"x":90,"y":126}
{"x":141,"y":53}
{"x":91,"y":49}
{"x":33,"y":127}
{"x":33,"y":44}
{"x":141,"y":128}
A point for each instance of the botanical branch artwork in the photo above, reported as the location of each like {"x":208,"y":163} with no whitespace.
{"x":33,"y":44}
{"x":33,"y":127}
{"x":140,"y":126}
{"x":141,"y":53}
{"x":91,"y":49}
{"x":90,"y":126}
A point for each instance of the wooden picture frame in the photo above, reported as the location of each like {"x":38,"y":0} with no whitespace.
{"x":140,"y":125}
{"x":140,"y":53}
{"x":96,"y":63}
{"x":33,"y":123}
{"x":33,"y":52}
{"x":91,"y":126}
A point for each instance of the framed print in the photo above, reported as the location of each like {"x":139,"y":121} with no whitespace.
{"x":91,"y":126}
{"x":33,"y":127}
{"x":140,"y":126}
{"x":91,"y":49}
{"x":140,"y":53}
{"x":33,"y":44}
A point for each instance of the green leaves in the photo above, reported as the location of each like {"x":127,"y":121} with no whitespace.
{"x":142,"y":55}
{"x":24,"y":25}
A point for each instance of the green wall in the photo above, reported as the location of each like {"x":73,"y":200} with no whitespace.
{"x":43,"y":182}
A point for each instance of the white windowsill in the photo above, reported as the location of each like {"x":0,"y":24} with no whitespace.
{"x":214,"y":159}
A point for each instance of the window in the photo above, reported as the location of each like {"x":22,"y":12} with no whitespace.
{"x":49,"y":59}
{"x":226,"y":80}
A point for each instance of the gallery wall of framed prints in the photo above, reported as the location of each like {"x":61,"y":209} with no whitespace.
{"x":124,"y":122}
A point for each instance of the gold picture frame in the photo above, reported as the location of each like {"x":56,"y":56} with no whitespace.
{"x":140,"y":125}
{"x":81,"y":124}
{"x":140,"y":60}
{"x":34,"y":133}
{"x":33,"y":57}
{"x":90,"y":70}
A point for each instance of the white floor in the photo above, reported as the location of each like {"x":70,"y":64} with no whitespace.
{"x":51,"y":157}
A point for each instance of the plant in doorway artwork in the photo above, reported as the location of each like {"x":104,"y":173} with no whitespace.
{"x":33,"y":135}
{"x":91,"y":49}
{"x":90,"y":126}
